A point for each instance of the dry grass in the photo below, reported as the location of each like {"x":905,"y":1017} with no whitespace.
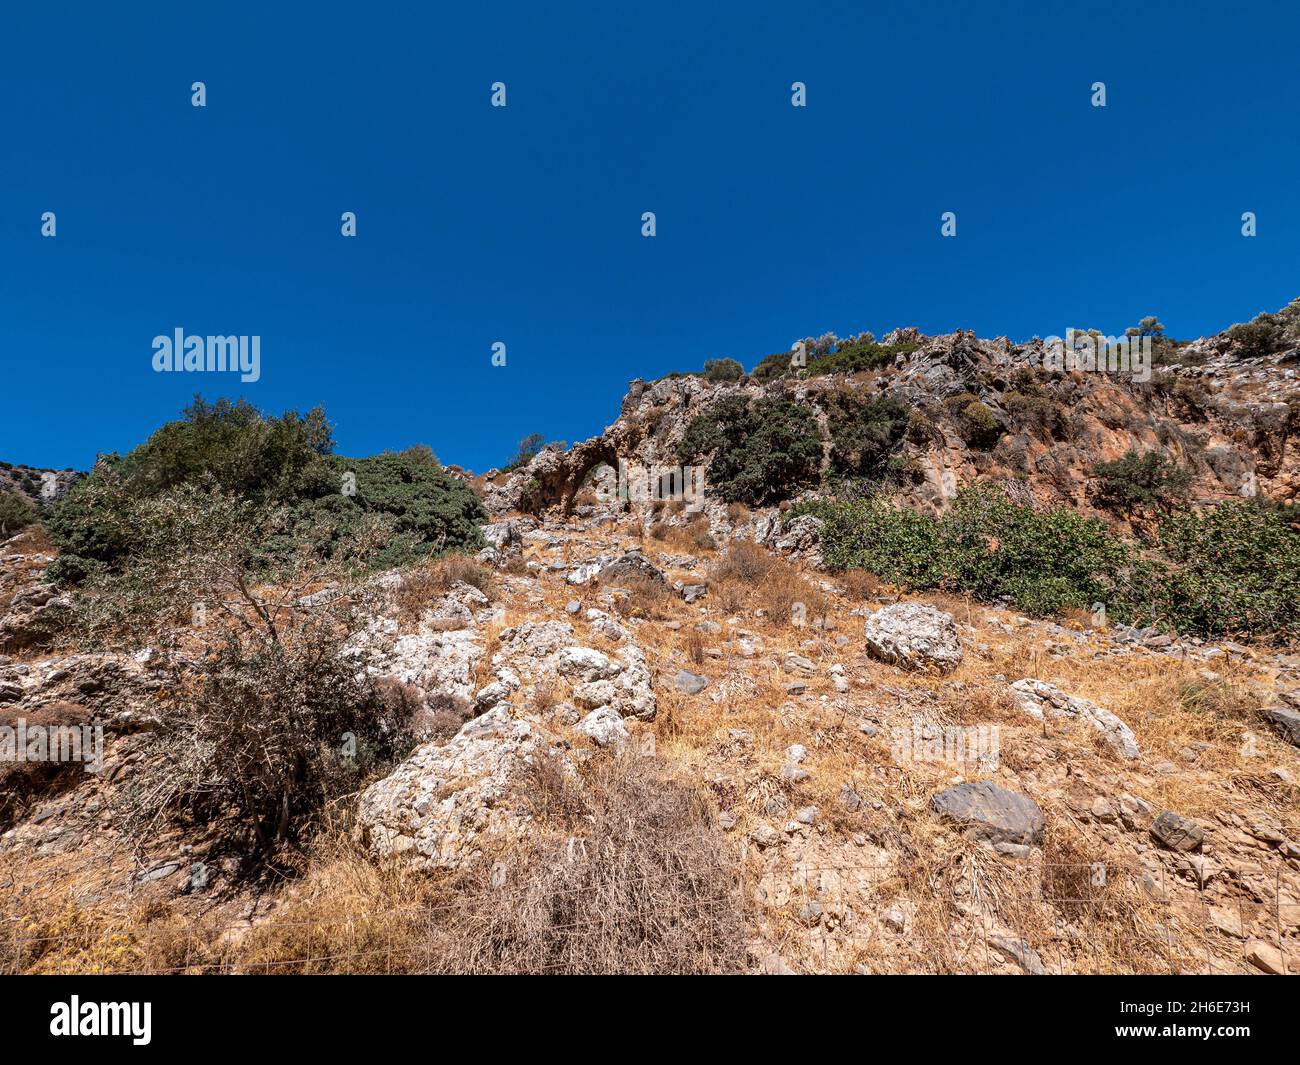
{"x":424,"y":582}
{"x":646,"y":598}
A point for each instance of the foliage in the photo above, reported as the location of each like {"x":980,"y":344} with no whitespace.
{"x":1149,"y":479}
{"x":336,"y":504}
{"x":717,"y":370}
{"x":978,"y":425}
{"x":16,"y":513}
{"x":1233,"y":569}
{"x":762,"y":451}
{"x":864,"y":433}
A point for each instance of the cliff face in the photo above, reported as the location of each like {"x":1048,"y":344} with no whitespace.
{"x":1228,"y":417}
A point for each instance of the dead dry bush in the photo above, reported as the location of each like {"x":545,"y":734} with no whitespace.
{"x":745,"y":562}
{"x":646,"y":598}
{"x":638,"y":884}
{"x":424,"y":582}
{"x":693,"y":644}
{"x":749,"y":577}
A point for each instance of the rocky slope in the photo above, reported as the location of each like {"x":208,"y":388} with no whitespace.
{"x":1229,"y":417}
{"x":894,"y":783}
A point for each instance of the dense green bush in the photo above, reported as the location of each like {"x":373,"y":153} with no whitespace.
{"x":986,"y":546}
{"x":978,"y":425}
{"x":1148,"y":479}
{"x":1233,"y":569}
{"x":857,"y":357}
{"x":864,"y":433}
{"x":245,"y":452}
{"x":778,"y":364}
{"x":427,"y":509}
{"x":16,"y":513}
{"x":723,"y":370}
{"x":390,"y":507}
{"x":762,"y":451}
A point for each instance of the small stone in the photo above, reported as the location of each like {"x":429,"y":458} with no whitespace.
{"x":1176,"y":832}
{"x":810,"y":913}
{"x":690,"y":683}
{"x":200,"y":877}
{"x":1265,"y":956}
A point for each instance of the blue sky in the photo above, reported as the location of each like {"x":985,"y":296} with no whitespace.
{"x":523,"y":224}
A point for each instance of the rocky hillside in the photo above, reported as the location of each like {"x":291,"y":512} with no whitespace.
{"x":1219,"y":407}
{"x":623,"y":735}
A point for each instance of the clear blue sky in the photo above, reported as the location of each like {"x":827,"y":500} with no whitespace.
{"x":522,"y":224}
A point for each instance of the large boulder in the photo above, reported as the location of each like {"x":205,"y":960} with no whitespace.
{"x":1041,"y":700}
{"x":914,"y":636}
{"x":992,"y":814}
{"x":444,"y":803}
{"x":611,"y":569}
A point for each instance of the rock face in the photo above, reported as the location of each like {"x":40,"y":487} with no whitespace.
{"x":1243,"y":402}
{"x":35,"y":614}
{"x":604,"y":725}
{"x":444,"y":802}
{"x":612,"y":569}
{"x":991,"y":813}
{"x":914,"y":636}
{"x":1041,"y":700}
{"x":537,"y":650}
{"x":1287,"y":723}
{"x":802,"y":539}
{"x":505,"y":543}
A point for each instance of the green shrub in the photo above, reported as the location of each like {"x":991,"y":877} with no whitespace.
{"x":773,"y":366}
{"x":1232,"y":570}
{"x":896,"y":543}
{"x":392,"y":507}
{"x":864,"y":433}
{"x":1149,"y":479}
{"x":857,"y":358}
{"x":1036,"y":412}
{"x":16,"y":513}
{"x":1043,"y":561}
{"x":762,"y":451}
{"x":232,"y":443}
{"x":978,"y":425}
{"x":716,"y":370}
{"x":986,"y":545}
{"x":426,"y":509}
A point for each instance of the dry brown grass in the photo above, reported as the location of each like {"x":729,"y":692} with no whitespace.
{"x":646,"y":598}
{"x":424,"y":582}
